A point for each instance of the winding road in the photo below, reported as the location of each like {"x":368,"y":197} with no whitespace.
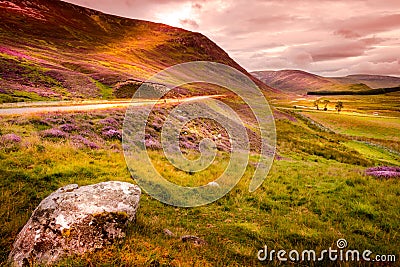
{"x":65,"y":106}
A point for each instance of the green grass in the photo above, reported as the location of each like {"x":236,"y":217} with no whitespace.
{"x":374,"y":152}
{"x":106,"y":92}
{"x":22,"y":96}
{"x":172,"y":174}
{"x":384,"y":105}
{"x":365,"y":126}
{"x":374,"y":130}
{"x":316,"y":194}
{"x":5,"y":98}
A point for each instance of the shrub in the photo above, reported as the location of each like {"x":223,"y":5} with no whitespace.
{"x":80,"y":140}
{"x":40,"y":124}
{"x":10,"y":139}
{"x":10,"y":142}
{"x":152,"y":143}
{"x":54,"y":119}
{"x":68,"y":127}
{"x":109,"y":121}
{"x":53,"y":133}
{"x":111,"y":134}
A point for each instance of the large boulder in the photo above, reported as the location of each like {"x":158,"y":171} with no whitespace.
{"x":75,"y":220}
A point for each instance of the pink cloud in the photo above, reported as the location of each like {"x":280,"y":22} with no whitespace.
{"x":298,"y":57}
{"x":189,"y":22}
{"x":323,"y":36}
{"x":197,"y":6}
{"x":332,"y":50}
{"x":347,"y":33}
{"x":384,"y":68}
{"x":365,"y":25}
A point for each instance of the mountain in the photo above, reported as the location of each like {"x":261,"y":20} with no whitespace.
{"x":373,"y":81}
{"x":50,"y":49}
{"x":293,"y":81}
{"x":301,"y":82}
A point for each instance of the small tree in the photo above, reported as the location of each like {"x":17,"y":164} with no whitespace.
{"x":316,"y":103}
{"x":326,"y":102}
{"x":339,"y":106}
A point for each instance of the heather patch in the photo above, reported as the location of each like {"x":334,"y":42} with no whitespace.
{"x":110,"y":121}
{"x":53,"y":133}
{"x":80,"y":141}
{"x":84,"y":129}
{"x":10,"y":142}
{"x":383,"y":172}
{"x":68,"y":127}
{"x":10,"y":139}
{"x":14,"y":53}
{"x":110,"y":133}
{"x":152,"y":142}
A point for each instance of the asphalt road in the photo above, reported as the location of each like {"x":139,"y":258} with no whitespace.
{"x":67,"y":106}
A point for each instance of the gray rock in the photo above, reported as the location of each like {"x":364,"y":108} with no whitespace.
{"x":194,"y":239}
{"x":75,"y":220}
{"x":168,"y":232}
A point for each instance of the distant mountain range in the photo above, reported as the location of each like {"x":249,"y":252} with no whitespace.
{"x":50,"y":49}
{"x":301,"y":82}
{"x":373,"y":81}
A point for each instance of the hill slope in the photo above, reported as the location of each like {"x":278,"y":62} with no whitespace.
{"x":301,"y":82}
{"x":373,"y":81}
{"x":293,"y":81}
{"x":55,"y":50}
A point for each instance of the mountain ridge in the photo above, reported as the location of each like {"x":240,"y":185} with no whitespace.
{"x":301,"y":82}
{"x":371,"y":80}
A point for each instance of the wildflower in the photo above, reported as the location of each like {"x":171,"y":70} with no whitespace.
{"x":53,"y":133}
{"x":10,"y":139}
{"x":383,"y":171}
{"x":78,"y":139}
{"x":111,"y":134}
{"x":68,"y":127}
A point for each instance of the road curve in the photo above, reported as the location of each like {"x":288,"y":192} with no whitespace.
{"x":83,"y":107}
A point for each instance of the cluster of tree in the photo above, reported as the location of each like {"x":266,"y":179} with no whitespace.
{"x":324,"y":103}
{"x":339,"y":106}
{"x":377,"y":91}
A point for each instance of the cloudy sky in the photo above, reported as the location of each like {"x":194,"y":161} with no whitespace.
{"x":327,"y":37}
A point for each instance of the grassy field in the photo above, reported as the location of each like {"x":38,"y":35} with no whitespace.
{"x":359,"y":125}
{"x":315,"y":193}
{"x":383,"y":105}
{"x":373,"y":120}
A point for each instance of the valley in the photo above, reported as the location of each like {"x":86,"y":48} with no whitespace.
{"x":304,"y":83}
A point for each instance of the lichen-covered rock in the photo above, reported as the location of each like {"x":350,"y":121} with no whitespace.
{"x":75,"y":220}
